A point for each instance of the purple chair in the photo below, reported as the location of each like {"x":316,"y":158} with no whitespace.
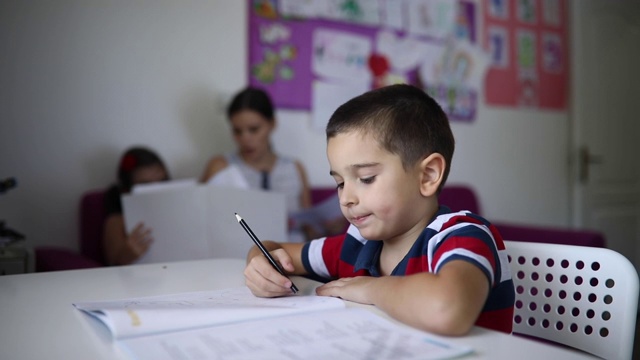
{"x":458,"y":197}
{"x":92,"y":216}
{"x":551,"y":235}
{"x":318,"y":195}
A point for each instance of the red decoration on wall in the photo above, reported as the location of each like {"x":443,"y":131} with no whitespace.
{"x":379,"y":65}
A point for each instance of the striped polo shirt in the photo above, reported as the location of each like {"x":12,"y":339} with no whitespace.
{"x":450,"y":236}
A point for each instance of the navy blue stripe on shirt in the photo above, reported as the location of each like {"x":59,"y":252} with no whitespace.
{"x":474,"y":232}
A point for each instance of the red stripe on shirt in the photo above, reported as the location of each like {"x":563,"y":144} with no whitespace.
{"x":331,"y":254}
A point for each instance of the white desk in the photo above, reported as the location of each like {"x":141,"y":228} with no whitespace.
{"x":38,"y":320}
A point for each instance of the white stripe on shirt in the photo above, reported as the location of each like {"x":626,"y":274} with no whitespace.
{"x":315,"y":257}
{"x":468,"y":254}
{"x":353,"y":231}
{"x":505,"y":269}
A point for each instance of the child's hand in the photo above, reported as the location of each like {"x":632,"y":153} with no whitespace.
{"x":139,"y":240}
{"x":358,"y":289}
{"x":265,"y":281}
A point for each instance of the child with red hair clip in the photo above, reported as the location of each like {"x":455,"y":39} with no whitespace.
{"x":138,"y":165}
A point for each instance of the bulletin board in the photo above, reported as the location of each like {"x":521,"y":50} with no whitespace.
{"x":527,"y":42}
{"x":316,"y":54}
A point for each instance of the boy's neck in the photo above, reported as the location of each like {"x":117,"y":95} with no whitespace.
{"x":397,"y":248}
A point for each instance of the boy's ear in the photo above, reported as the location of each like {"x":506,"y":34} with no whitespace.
{"x":431,"y":172}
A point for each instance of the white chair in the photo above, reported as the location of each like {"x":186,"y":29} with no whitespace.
{"x":583,"y":297}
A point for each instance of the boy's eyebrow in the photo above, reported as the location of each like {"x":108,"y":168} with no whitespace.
{"x":357,"y":166}
{"x":365,"y":165}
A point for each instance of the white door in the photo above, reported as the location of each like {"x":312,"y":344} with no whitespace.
{"x":605,"y":115}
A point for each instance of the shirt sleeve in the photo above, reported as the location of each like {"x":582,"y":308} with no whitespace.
{"x":321,"y":257}
{"x":470,"y":242}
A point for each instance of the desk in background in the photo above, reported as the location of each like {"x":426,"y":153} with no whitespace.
{"x":39,"y":321}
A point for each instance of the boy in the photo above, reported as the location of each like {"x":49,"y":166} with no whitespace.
{"x":390,"y":152}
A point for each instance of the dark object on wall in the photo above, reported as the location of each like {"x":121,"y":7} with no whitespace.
{"x":8,"y":236}
{"x":7,"y":184}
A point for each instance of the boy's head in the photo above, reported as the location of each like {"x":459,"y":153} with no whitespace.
{"x":403,"y":119}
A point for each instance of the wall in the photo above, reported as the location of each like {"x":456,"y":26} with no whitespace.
{"x":82,"y":80}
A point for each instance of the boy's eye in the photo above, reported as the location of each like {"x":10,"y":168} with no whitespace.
{"x":340,"y":186}
{"x":368,"y":180}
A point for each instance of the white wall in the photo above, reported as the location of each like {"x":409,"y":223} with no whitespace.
{"x":82,"y":80}
{"x":515,"y":159}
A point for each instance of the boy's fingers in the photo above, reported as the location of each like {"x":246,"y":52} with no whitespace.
{"x":261,"y":269}
{"x":283,"y":258}
{"x":287,"y":265}
{"x":264,"y":287}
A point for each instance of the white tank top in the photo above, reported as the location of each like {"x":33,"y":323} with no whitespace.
{"x":283,"y":178}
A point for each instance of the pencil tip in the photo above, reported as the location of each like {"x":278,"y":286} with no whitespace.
{"x":238,"y":217}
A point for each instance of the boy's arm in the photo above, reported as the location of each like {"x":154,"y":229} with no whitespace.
{"x":265,"y":281}
{"x":446,"y":303}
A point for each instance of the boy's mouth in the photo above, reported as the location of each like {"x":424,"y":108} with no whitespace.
{"x":358,"y":220}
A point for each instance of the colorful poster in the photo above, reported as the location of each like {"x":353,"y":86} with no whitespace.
{"x":527,"y":44}
{"x":314,"y":54}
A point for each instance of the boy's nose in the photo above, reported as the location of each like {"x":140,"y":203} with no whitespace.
{"x":347,"y":196}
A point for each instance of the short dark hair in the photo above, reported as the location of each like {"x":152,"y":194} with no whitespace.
{"x":133,"y":159}
{"x":403,"y":119}
{"x":252,"y":98}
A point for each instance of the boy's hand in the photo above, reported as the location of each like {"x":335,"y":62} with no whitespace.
{"x":358,"y":289}
{"x":265,"y":281}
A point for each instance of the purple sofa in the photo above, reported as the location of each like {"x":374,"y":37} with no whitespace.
{"x":92,"y":215}
{"x":459,"y":197}
{"x":464,"y":198}
{"x":91,"y":218}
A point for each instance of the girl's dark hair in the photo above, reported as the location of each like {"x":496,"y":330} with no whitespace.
{"x":403,"y":119}
{"x":254,"y":99}
{"x":133,"y":159}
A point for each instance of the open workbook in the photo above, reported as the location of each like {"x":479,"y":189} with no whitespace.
{"x":234,"y":324}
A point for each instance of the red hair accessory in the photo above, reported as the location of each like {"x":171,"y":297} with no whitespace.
{"x":128,"y":163}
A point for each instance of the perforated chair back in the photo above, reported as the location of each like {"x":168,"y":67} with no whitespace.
{"x":579,"y":296}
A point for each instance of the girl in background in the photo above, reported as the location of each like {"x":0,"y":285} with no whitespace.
{"x":138,"y":165}
{"x":251,"y":114}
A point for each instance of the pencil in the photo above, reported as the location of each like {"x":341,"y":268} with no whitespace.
{"x":263,"y":249}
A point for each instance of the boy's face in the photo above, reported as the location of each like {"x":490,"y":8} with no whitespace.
{"x":376,"y":194}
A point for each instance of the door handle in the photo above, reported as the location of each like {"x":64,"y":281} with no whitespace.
{"x":586,"y":158}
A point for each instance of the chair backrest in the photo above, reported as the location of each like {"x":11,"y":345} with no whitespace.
{"x":583,"y":297}
{"x":92,"y":216}
{"x":458,"y":197}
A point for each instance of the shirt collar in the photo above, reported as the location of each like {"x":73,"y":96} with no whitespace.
{"x":368,"y":257}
